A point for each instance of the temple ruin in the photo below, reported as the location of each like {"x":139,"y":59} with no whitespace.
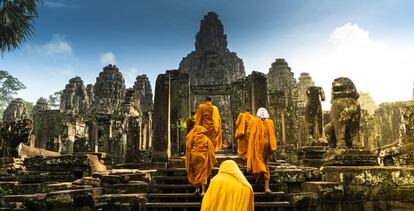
{"x":113,"y":147}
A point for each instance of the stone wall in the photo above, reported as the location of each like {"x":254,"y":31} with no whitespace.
{"x":367,"y":103}
{"x":394,"y":122}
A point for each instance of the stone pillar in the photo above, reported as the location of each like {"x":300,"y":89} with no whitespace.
{"x":160,"y":120}
{"x":257,"y":94}
{"x":179,"y":109}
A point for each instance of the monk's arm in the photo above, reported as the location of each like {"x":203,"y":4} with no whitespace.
{"x":271,"y":128}
{"x":240,"y":126}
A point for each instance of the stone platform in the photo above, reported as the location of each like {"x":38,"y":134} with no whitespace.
{"x":370,"y":187}
{"x":312,"y":155}
{"x":349,"y":157}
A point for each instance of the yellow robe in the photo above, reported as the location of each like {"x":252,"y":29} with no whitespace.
{"x":242,"y":133}
{"x":199,"y":156}
{"x":208,"y":116}
{"x":262,"y":142}
{"x":228,"y":190}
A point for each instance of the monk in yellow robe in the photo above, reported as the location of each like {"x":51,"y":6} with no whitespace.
{"x":200,"y":157}
{"x":262,"y":143}
{"x":228,"y":190}
{"x":242,"y":133}
{"x":208,"y":116}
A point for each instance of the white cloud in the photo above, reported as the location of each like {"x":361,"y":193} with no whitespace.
{"x":57,"y":46}
{"x":107,"y":58}
{"x":54,"y":4}
{"x":67,"y":71}
{"x":382,"y":69}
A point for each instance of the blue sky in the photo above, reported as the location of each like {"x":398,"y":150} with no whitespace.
{"x":369,"y":41}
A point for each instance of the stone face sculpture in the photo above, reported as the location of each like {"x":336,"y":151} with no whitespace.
{"x":109,"y":88}
{"x":74,"y":98}
{"x":212,"y":63}
{"x":343,"y":130}
{"x":15,"y":129}
{"x":313,"y":113}
{"x":143,"y":89}
{"x":304,"y":82}
{"x":41,"y":105}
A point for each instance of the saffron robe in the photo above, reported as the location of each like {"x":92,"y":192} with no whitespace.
{"x":200,"y":156}
{"x":208,"y":116}
{"x":242,"y":133}
{"x":228,"y":190}
{"x":262,"y":142}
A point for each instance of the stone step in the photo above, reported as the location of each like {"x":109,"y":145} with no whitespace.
{"x":184,"y":179}
{"x":188,"y":188}
{"x":41,"y":176}
{"x":120,"y":202}
{"x":198,"y":204}
{"x":191,"y":197}
{"x":127,"y":188}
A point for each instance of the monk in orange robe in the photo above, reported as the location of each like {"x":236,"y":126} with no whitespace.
{"x":228,"y":190}
{"x":200,"y":157}
{"x":208,"y":116}
{"x":242,"y":133}
{"x":262,"y":143}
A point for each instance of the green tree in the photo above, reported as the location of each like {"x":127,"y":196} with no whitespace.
{"x":54,"y":100}
{"x":16,"y":22}
{"x":9,"y":86}
{"x":29,"y":107}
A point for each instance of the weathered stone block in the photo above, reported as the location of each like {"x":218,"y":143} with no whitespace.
{"x":124,"y":202}
{"x":349,"y":157}
{"x":82,"y":199}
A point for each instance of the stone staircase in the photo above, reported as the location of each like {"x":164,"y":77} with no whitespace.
{"x":159,"y":188}
{"x":173,"y":192}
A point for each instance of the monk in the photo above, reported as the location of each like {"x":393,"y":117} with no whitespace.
{"x":228,"y":190}
{"x":262,"y":143}
{"x":190,"y":122}
{"x":242,"y":133}
{"x":200,"y":157}
{"x":208,"y":116}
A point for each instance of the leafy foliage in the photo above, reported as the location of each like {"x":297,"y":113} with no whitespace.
{"x":54,"y":100}
{"x":181,"y":124}
{"x":29,"y":107}
{"x":16,"y":22}
{"x":9,"y":86}
{"x":4,"y":192}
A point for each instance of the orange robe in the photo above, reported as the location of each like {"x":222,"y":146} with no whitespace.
{"x":262,"y":142}
{"x":242,"y":133}
{"x":228,"y":190}
{"x":199,"y":156}
{"x":208,"y":116}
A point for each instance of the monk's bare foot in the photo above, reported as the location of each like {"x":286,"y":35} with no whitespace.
{"x":202,"y":194}
{"x":197,"y":191}
{"x":268,"y":191}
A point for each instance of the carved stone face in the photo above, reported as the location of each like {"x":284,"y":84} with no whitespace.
{"x":212,"y":61}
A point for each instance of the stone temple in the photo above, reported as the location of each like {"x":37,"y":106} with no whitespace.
{"x":113,"y":147}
